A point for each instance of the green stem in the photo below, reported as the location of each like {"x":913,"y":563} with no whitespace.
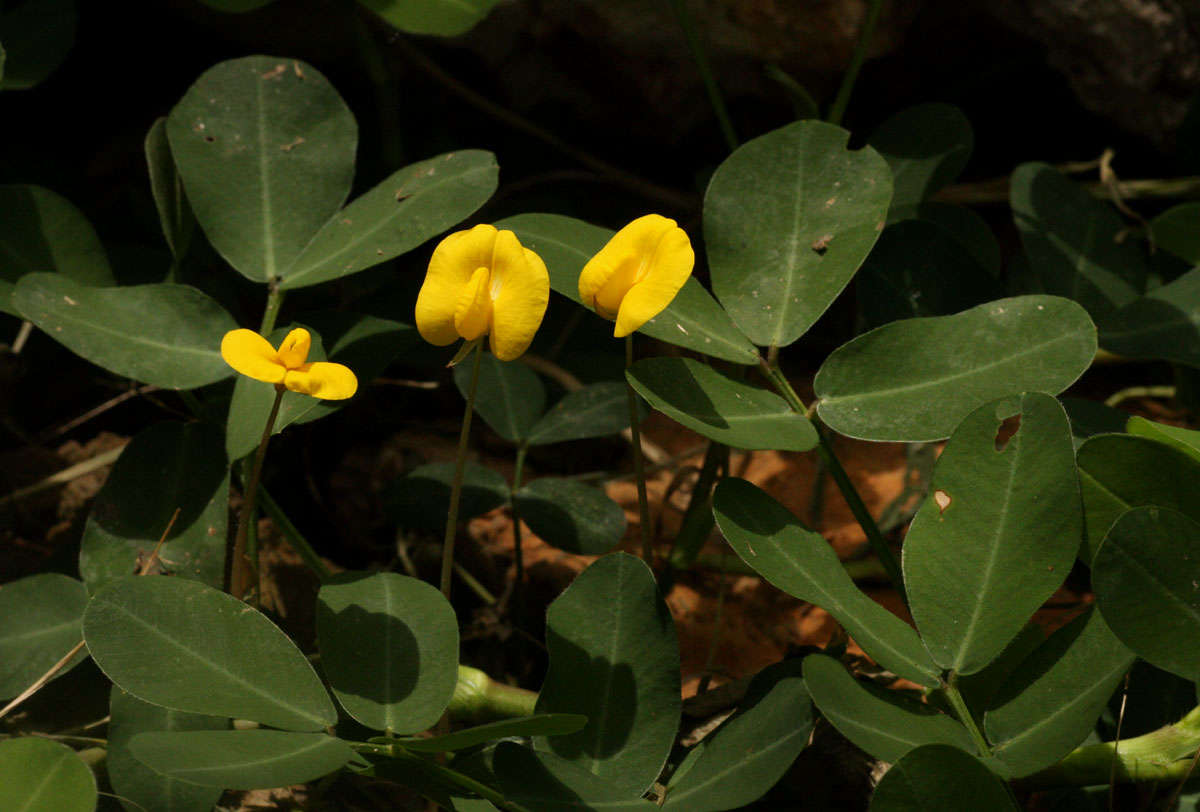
{"x":271,"y":312}
{"x":518,"y":551}
{"x":239,"y":567}
{"x":878,"y":543}
{"x":698,"y":519}
{"x":639,"y":468}
{"x":838,"y":109}
{"x":460,"y":467}
{"x":950,"y":690}
{"x":706,"y":75}
{"x":478,"y":697}
{"x":294,"y":537}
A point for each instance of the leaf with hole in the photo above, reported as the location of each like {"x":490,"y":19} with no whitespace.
{"x":265,"y":148}
{"x":510,"y":396}
{"x":596,"y":410}
{"x":801,"y":563}
{"x":926,"y":147}
{"x":998,"y":532}
{"x":880,"y":385}
{"x":720,"y":406}
{"x":614,"y":658}
{"x":389,"y":647}
{"x":421,"y":500}
{"x":189,"y":647}
{"x":571,"y":515}
{"x":940,"y":778}
{"x":693,"y":320}
{"x":788,"y":218}
{"x":39,"y":623}
{"x":39,"y":775}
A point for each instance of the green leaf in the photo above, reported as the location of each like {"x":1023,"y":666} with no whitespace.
{"x":998,"y":532}
{"x":749,"y":752}
{"x":570,"y":515}
{"x":510,"y":397}
{"x":168,"y":467}
{"x":1052,"y":700}
{"x":939,"y":778}
{"x":1175,"y":232}
{"x":544,"y":782}
{"x":720,"y":406}
{"x":265,"y":147}
{"x":39,"y":623}
{"x":596,"y":410}
{"x":918,"y":269}
{"x":693,"y":320}
{"x":881,"y":385}
{"x":1071,"y":240}
{"x":1163,"y":324}
{"x":241,"y":759}
{"x":885,"y":723}
{"x":788,"y":218}
{"x":41,"y":232}
{"x":926,"y":147}
{"x":1186,"y":440}
{"x":801,"y":563}
{"x":174,"y":213}
{"x":139,"y":787}
{"x":415,"y":203}
{"x":39,"y":34}
{"x":389,"y":648}
{"x":614,"y":659}
{"x":443,"y":18}
{"x":1118,"y":472}
{"x":542,"y":724}
{"x":187,"y":646}
{"x":421,"y":500}
{"x":39,"y":775}
{"x":1090,"y":417}
{"x":1145,"y":575}
{"x":966,"y":228}
{"x":165,"y":335}
{"x":979,"y":689}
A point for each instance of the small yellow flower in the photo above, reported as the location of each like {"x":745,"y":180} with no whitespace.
{"x":482,"y":281}
{"x":637,"y":274}
{"x":253,"y":356}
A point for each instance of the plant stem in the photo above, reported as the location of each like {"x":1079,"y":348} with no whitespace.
{"x":639,"y":469}
{"x":878,"y":544}
{"x":293,"y":536}
{"x":271,"y":311}
{"x":241,"y":570}
{"x":460,"y":467}
{"x":950,"y":690}
{"x":838,"y":109}
{"x":698,"y":519}
{"x":478,"y":697}
{"x":518,"y":551}
{"x":696,"y":47}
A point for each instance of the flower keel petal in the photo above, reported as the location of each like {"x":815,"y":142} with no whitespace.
{"x":293,"y":352}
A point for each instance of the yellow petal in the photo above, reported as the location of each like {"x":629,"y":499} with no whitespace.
{"x":667,"y":269}
{"x":520,"y":293}
{"x":453,"y":263}
{"x":473,"y":313}
{"x":322,"y":379}
{"x":293,"y":352}
{"x":622,"y":263}
{"x":252,"y":355}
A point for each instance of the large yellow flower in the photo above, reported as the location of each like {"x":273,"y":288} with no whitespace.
{"x":483,"y":282}
{"x":288,"y":367}
{"x":637,"y":274}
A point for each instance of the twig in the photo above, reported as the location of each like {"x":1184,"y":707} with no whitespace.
{"x":42,"y":680}
{"x":22,"y":336}
{"x":65,"y":475}
{"x":149,"y":562}
{"x":98,"y":410}
{"x":1123,"y":395}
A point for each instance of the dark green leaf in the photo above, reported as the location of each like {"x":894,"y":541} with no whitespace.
{"x":939,"y":778}
{"x":885,"y":723}
{"x":174,"y":213}
{"x":39,"y":775}
{"x":183,"y":645}
{"x":265,"y":147}
{"x":1175,"y":232}
{"x":788,"y":218}
{"x":165,"y":335}
{"x":443,"y":18}
{"x":168,"y":467}
{"x":570,"y":515}
{"x":966,"y":228}
{"x":801,"y":563}
{"x":720,"y":406}
{"x":139,"y":787}
{"x":614,"y":659}
{"x":881,"y":385}
{"x":241,"y":759}
{"x":510,"y":397}
{"x":1091,"y":417}
{"x":39,"y":623}
{"x":596,"y":410}
{"x":543,"y":724}
{"x":1186,"y":440}
{"x":998,"y":532}
{"x":421,"y":500}
{"x":417,"y":202}
{"x":693,"y":320}
{"x":1165,"y":323}
{"x":1146,"y":576}
{"x":979,"y":689}
{"x":39,"y":34}
{"x":544,"y":782}
{"x":926,"y":147}
{"x":389,"y":648}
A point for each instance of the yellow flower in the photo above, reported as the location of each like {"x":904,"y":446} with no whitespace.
{"x":253,"y":356}
{"x":483,"y":282}
{"x":637,"y":274}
